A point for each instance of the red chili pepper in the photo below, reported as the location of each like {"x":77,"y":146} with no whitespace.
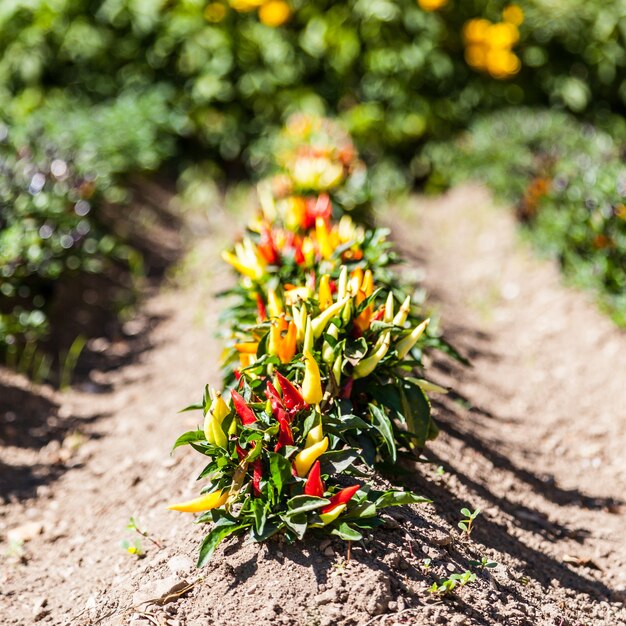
{"x":333,"y":287}
{"x":273,"y":396}
{"x":285,"y":436}
{"x":346,"y":392}
{"x":341,"y":497}
{"x":267,"y":247}
{"x":314,"y":485}
{"x":237,"y":374}
{"x":317,"y":207}
{"x":298,"y":255}
{"x":257,"y":474}
{"x":245,"y":413}
{"x":241,"y":453}
{"x":260,"y":306}
{"x":292,"y":398}
{"x":378,"y":315}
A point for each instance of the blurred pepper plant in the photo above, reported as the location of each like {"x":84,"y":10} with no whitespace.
{"x":321,"y":370}
{"x":568,"y":181}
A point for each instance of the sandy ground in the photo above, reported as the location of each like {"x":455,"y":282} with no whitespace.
{"x":534,"y":435}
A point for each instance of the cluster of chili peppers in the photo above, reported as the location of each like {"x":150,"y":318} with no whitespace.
{"x":327,"y":324}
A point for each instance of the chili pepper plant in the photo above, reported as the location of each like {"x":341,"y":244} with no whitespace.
{"x":323,"y":371}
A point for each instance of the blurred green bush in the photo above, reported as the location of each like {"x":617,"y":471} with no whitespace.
{"x":395,"y":70}
{"x":568,"y":181}
{"x":57,"y":169}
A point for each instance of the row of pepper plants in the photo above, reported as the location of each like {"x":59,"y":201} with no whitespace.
{"x":323,"y":372}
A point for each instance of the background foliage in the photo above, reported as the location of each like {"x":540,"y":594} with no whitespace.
{"x":116,"y":87}
{"x":568,"y":181}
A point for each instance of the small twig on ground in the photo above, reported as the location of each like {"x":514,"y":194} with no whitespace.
{"x":388,"y":615}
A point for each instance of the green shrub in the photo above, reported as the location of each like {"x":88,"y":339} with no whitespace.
{"x":55,"y":174}
{"x":568,"y":181}
{"x":395,"y":72}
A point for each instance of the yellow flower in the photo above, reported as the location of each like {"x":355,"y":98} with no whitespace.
{"x":502,"y":63}
{"x":475,"y":55}
{"x":245,"y":5}
{"x":475,"y":31}
{"x":513,"y":15}
{"x":431,"y":5}
{"x":274,"y":13}
{"x":214,"y":12}
{"x":502,"y":35}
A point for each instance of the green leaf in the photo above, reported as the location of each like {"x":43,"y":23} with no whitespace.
{"x":349,"y":422}
{"x":304,"y":503}
{"x":262,"y":347}
{"x":396,"y":498}
{"x":189,"y":437}
{"x":416,"y":411}
{"x":385,"y":428}
{"x":355,"y":350}
{"x":272,"y":526}
{"x":259,"y":511}
{"x":346,"y":532}
{"x":466,"y":512}
{"x":296,"y":523}
{"x":369,"y":300}
{"x":193,"y":407}
{"x":280,"y":470}
{"x":214,"y":538}
{"x":366,"y":509}
{"x":338,"y":461}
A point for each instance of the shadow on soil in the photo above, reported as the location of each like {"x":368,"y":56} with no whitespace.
{"x":85,"y":305}
{"x":541,"y":566}
{"x":30,"y":420}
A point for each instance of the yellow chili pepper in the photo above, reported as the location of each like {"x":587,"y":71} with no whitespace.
{"x":367,"y":286}
{"x":308,"y":336}
{"x":323,"y":240}
{"x":274,"y":305}
{"x":366,"y":366}
{"x":247,"y":347}
{"x":337,"y":368}
{"x":333,"y":514}
{"x":388,"y":316}
{"x":213,"y":420}
{"x":305,"y":458}
{"x":328,"y":351}
{"x":319,"y":323}
{"x":405,"y":344}
{"x":324,"y":296}
{"x":205,"y":502}
{"x":403,"y":313}
{"x":315,"y":435}
{"x":356,"y":278}
{"x":295,"y":294}
{"x":251,"y":272}
{"x":342,"y":283}
{"x":312,"y":384}
{"x":246,"y":359}
{"x":299,"y":319}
